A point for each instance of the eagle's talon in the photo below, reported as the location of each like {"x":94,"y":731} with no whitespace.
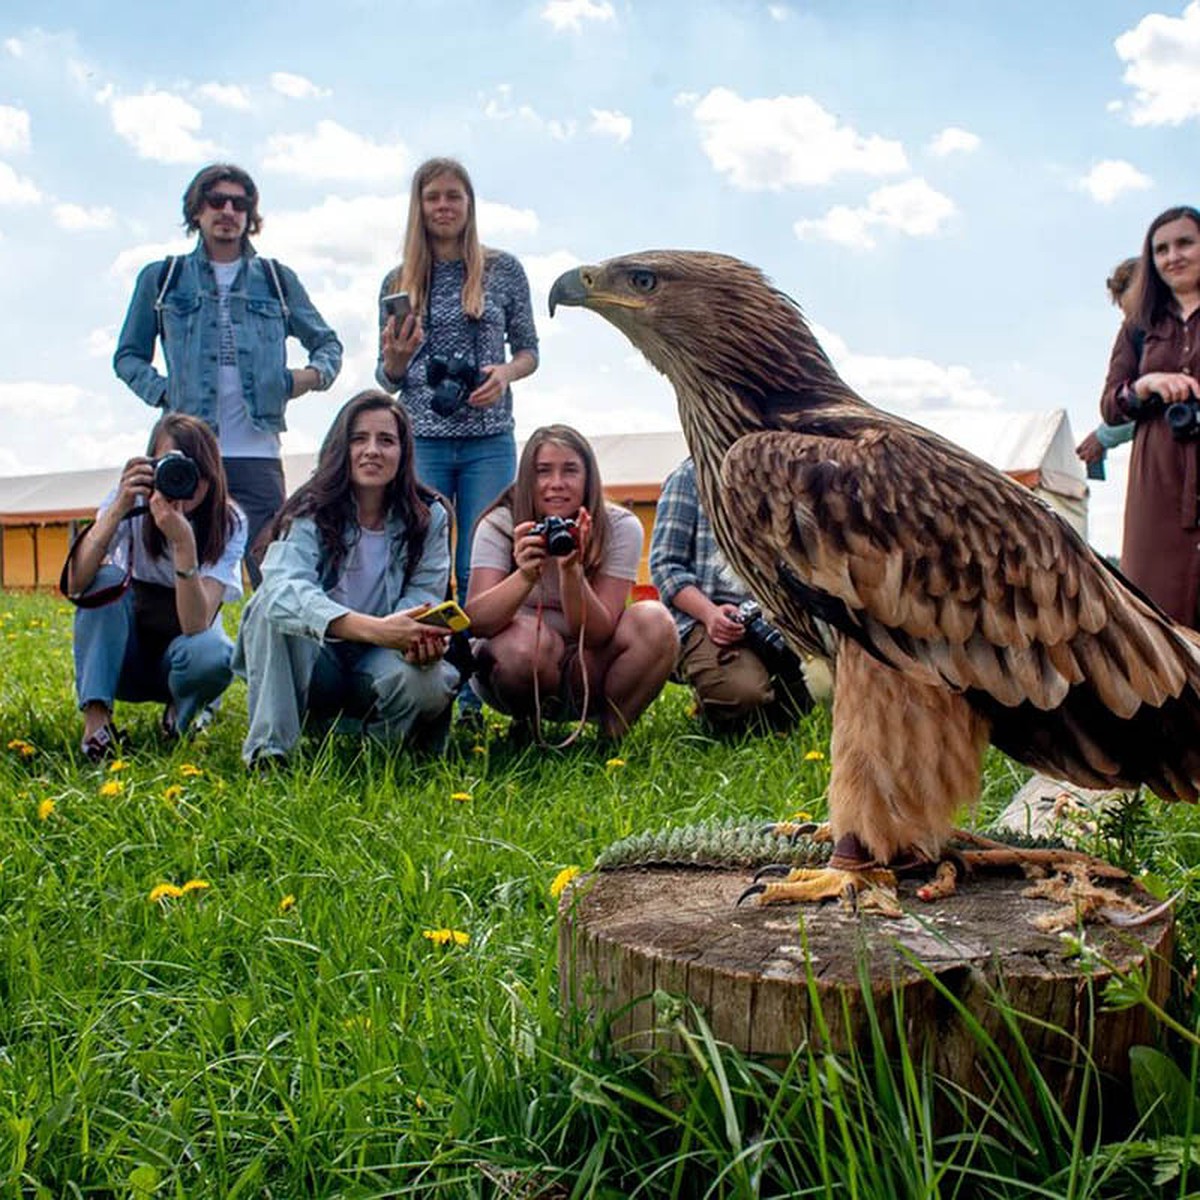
{"x":755,"y":889}
{"x":780,"y":869}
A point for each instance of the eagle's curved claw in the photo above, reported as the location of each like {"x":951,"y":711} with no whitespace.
{"x":772,"y":869}
{"x":755,"y":889}
{"x":790,"y":829}
{"x":1127,"y":920}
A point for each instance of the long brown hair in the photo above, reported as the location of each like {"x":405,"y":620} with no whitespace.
{"x":1155,"y":298}
{"x":415,"y":271}
{"x":213,"y":519}
{"x":328,"y":498}
{"x":521,"y":495}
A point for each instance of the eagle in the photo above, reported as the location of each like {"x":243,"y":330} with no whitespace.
{"x":961,"y":609}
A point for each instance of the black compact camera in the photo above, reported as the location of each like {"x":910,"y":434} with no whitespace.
{"x":453,"y":378}
{"x":1183,"y":419}
{"x":559,"y":533}
{"x":176,"y":476}
{"x":762,"y":637}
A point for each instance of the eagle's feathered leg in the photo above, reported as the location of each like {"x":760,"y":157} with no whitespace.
{"x":905,"y":758}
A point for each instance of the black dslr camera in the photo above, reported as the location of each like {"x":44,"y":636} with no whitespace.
{"x":1183,"y":418}
{"x":176,"y":476}
{"x":559,"y":533}
{"x":453,"y":378}
{"x":763,"y":638}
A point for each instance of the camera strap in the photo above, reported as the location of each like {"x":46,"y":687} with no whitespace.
{"x":568,"y":662}
{"x":105,"y":595}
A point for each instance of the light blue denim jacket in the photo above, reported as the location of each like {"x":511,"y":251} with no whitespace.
{"x":294,"y":596}
{"x":191,"y":332}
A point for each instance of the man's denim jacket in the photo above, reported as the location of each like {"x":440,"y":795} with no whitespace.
{"x":294,"y":594}
{"x":191,"y":333}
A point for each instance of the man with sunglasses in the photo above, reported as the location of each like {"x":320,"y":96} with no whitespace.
{"x":223,"y":315}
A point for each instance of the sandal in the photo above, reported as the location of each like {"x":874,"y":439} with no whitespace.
{"x":98,"y":745}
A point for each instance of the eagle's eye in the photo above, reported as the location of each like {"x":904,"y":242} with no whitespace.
{"x":642,"y":281}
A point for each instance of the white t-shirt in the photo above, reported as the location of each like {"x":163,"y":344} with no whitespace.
{"x":362,"y":585}
{"x":238,"y":437}
{"x":228,"y":569}
{"x":493,"y":548}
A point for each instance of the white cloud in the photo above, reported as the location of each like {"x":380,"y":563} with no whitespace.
{"x":787,"y":141}
{"x":161,"y":126}
{"x":499,"y":107}
{"x":611,"y":124}
{"x":778,"y":12}
{"x":17,"y":189}
{"x":129,"y":262}
{"x":498,"y":222}
{"x":912,"y":208}
{"x":1111,"y":178}
{"x":906,"y":383}
{"x":14,"y":47}
{"x":1163,"y":57}
{"x":297,"y":87}
{"x":48,"y":400}
{"x":101,"y":343}
{"x":953,"y":140}
{"x":14,"y":128}
{"x":227,"y":95}
{"x":332,"y":151}
{"x":571,"y":14}
{"x":75,"y":218}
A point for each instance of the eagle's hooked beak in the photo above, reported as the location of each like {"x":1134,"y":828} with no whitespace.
{"x":572,"y":288}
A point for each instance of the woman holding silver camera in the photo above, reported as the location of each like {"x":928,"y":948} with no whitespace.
{"x":552,"y":565}
{"x":149,"y":577}
{"x":1153,"y":380}
{"x":442,"y":346}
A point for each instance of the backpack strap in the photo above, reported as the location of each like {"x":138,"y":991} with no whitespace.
{"x":272,"y":267}
{"x":166,"y":275}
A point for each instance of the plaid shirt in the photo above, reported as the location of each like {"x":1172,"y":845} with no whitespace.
{"x":684,"y":552}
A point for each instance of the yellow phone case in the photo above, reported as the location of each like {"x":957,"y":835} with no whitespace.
{"x":447,"y":615}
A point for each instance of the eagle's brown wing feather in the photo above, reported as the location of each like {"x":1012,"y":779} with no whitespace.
{"x":954,"y":575}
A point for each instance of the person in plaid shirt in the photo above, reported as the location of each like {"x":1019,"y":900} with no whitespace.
{"x":734,"y":675}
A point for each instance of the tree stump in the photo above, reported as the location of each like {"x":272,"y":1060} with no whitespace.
{"x":755,"y":972}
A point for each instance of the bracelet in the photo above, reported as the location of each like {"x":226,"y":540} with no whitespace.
{"x":190,"y":573}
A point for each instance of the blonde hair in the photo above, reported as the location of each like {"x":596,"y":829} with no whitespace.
{"x":415,"y":271}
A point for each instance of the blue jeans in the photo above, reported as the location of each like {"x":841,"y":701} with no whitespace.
{"x":291,"y":678}
{"x":111,"y":663}
{"x":470,"y":472}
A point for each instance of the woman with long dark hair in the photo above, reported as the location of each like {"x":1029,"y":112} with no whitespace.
{"x":1153,"y":380}
{"x":159,"y":639}
{"x":446,"y":359}
{"x":360,"y":551}
{"x":552,"y":567}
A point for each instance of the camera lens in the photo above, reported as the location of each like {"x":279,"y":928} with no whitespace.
{"x":176,"y":476}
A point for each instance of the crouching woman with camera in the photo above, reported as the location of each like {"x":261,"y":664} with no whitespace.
{"x":360,"y":552}
{"x":149,"y":578}
{"x":552,"y":565}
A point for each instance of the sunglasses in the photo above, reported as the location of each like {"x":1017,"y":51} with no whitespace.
{"x":218,"y":200}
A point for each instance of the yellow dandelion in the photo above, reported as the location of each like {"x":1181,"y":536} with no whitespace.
{"x":46,"y":809}
{"x":195,"y":885}
{"x":172,"y":791}
{"x":800,"y":815}
{"x":22,"y":747}
{"x":559,"y":883}
{"x":162,"y":891}
{"x":419,"y":1102}
{"x":189,"y":770}
{"x":443,"y":937}
{"x":287,"y":903}
{"x":815,"y":756}
{"x":461,"y":797}
{"x":113,"y":787}
{"x":614,"y":764}
{"x":478,"y":750}
{"x":116,"y":765}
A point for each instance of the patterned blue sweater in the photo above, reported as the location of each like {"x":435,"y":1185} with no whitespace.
{"x":507,"y":317}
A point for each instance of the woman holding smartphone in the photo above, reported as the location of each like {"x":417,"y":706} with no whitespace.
{"x":170,"y":562}
{"x":442,"y":348}
{"x":361,"y":552}
{"x":552,"y":566}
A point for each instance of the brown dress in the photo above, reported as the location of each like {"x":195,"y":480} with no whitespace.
{"x":1161,"y":548}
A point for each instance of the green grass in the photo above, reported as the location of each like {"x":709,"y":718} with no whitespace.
{"x":234,"y":1042}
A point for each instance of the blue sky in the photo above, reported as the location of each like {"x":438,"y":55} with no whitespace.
{"x":943,"y":187}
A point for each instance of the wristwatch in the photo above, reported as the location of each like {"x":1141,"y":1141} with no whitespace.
{"x":190,"y":573}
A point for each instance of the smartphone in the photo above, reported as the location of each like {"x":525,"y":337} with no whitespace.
{"x":446,"y":615}
{"x":397,"y":305}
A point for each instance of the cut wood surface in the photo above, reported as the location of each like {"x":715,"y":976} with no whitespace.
{"x":628,"y":932}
